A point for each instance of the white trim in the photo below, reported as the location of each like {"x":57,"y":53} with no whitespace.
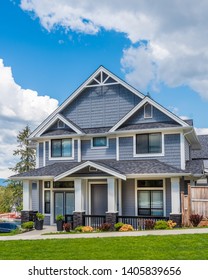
{"x":100,"y":147}
{"x":156,"y":175}
{"x":153,"y":103}
{"x":117,"y":148}
{"x":44,"y":153}
{"x":151,"y":111}
{"x":175,"y":195}
{"x":61,"y":158}
{"x":78,"y":91}
{"x":148,"y":154}
{"x":79,"y":151}
{"x":120,"y":197}
{"x":37,"y":156}
{"x":182,"y":150}
{"x":89,"y":163}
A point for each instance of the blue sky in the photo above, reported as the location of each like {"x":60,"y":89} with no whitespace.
{"x":48,"y":48}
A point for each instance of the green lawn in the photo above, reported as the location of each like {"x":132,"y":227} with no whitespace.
{"x":178,"y":247}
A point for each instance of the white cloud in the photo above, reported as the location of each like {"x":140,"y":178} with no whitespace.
{"x":176,"y":32}
{"x":18,"y":107}
{"x":201,"y":131}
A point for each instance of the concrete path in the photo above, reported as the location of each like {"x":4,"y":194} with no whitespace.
{"x":39,"y":234}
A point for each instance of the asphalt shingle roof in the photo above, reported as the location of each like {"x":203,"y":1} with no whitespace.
{"x":148,"y":126}
{"x":124,"y":167}
{"x":195,"y":166}
{"x":203,"y":152}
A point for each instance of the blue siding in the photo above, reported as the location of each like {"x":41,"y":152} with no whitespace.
{"x":40,"y":155}
{"x":101,"y":106}
{"x":128,"y":197}
{"x":53,"y":161}
{"x":172,"y":150}
{"x":168,"y":197}
{"x":157,"y":116}
{"x":103,"y":153}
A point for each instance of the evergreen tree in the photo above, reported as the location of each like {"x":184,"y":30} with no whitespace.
{"x":26,"y":153}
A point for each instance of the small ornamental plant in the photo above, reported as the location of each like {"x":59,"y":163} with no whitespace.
{"x":171,"y":224}
{"x":105,"y":227}
{"x":161,"y":225}
{"x":149,"y":224}
{"x":118,"y":225}
{"x":126,"y":227}
{"x":67,"y":227}
{"x":60,"y":218}
{"x":27,"y":226}
{"x":87,"y":229}
{"x":195,"y":219}
{"x":40,"y":216}
{"x":78,"y":228}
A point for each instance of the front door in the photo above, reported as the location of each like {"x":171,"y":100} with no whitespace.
{"x":99,"y":199}
{"x":63,"y":203}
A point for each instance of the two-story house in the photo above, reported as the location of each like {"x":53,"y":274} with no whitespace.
{"x":109,"y":150}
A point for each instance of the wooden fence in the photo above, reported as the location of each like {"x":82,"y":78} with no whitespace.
{"x":195,"y":202}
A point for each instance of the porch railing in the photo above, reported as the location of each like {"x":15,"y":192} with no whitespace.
{"x":69,"y":219}
{"x":94,"y":221}
{"x":138,"y":222}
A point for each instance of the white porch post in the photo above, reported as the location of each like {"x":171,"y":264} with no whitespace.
{"x":175,"y":195}
{"x":79,"y":195}
{"x":27,"y":195}
{"x":112,"y":195}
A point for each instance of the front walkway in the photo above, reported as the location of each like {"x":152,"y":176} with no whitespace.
{"x":38,"y":234}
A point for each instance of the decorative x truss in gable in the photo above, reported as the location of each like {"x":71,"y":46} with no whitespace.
{"x":101,"y":79}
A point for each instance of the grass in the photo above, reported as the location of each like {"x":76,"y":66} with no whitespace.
{"x":170,"y":247}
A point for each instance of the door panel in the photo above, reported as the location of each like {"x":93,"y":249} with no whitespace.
{"x":99,"y":204}
{"x":59,"y":203}
{"x":64,"y":203}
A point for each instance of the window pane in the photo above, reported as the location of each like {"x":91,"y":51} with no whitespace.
{"x":56,"y":148}
{"x":155,"y":143}
{"x":59,"y":204}
{"x":70,"y":206}
{"x":66,"y":148}
{"x":148,"y":111}
{"x":47,"y":202}
{"x":142,"y":144}
{"x":150,"y":183}
{"x":99,"y":142}
{"x":156,"y":199}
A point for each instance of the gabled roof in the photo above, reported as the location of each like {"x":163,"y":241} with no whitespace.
{"x":145,"y":100}
{"x":100,"y":77}
{"x":55,"y":118}
{"x":203,"y":152}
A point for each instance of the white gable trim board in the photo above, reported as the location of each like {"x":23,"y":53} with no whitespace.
{"x":156,"y":105}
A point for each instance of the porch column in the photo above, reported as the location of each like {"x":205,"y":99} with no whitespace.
{"x":27,"y":195}
{"x":79,"y":202}
{"x":26,"y":213}
{"x":112,"y":201}
{"x":175,"y":201}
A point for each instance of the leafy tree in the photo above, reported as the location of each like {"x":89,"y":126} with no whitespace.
{"x":26,"y":154}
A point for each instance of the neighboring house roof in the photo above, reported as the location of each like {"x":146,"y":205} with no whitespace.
{"x":203,"y":152}
{"x":120,"y":169}
{"x":196,"y":167}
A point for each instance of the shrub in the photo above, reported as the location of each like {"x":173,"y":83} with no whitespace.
{"x":28,"y":225}
{"x":105,"y":227}
{"x":126,"y":227}
{"x":117,"y":226}
{"x":149,"y":224}
{"x":40,"y":216}
{"x":87,"y":229}
{"x":195,"y":219}
{"x":67,"y":227}
{"x":79,"y":228}
{"x":161,"y":225}
{"x":59,"y":218}
{"x":171,"y":224}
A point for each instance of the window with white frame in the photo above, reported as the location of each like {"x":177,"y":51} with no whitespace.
{"x":150,"y":197}
{"x":61,"y":148}
{"x":99,"y":142}
{"x":149,"y":143}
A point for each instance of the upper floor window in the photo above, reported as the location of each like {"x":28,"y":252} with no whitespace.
{"x":150,"y":143}
{"x":147,"y":111}
{"x":61,"y":148}
{"x":60,"y":124}
{"x":99,"y":142}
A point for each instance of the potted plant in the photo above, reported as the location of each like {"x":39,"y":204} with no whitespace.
{"x":39,"y":221}
{"x":60,"y":222}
